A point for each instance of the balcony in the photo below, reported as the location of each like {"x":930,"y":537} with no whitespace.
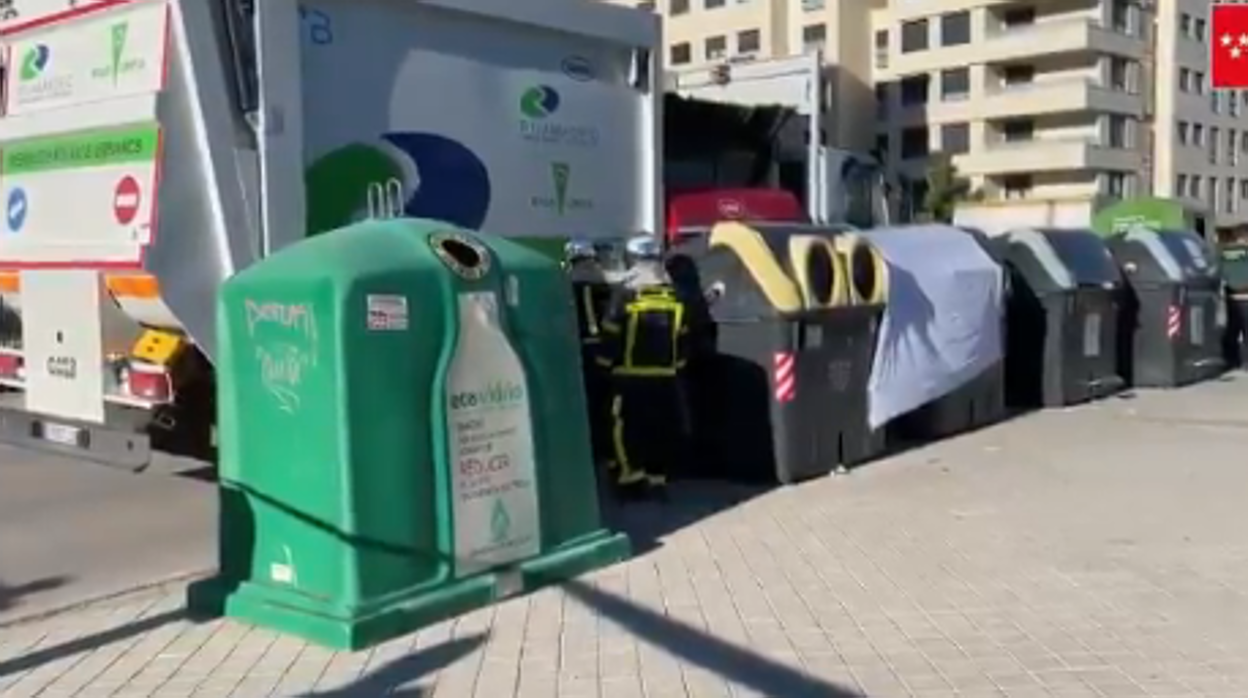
{"x":1064,"y":96}
{"x":1045,"y":155}
{"x":1049,"y":38}
{"x":1056,"y":37}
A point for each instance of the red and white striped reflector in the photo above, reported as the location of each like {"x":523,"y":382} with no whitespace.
{"x":784,"y":371}
{"x":1174,"y":321}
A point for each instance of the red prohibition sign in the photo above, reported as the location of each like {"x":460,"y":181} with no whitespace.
{"x":126,"y":198}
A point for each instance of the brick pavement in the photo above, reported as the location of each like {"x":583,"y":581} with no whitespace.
{"x":1100,"y":551}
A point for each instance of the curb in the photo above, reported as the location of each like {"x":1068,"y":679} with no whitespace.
{"x":163,"y":585}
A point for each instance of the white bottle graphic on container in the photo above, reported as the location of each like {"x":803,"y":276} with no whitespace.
{"x":490,"y":431}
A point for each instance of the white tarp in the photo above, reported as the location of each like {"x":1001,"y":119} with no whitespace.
{"x":942,"y":325}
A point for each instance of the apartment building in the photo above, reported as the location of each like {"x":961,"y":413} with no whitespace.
{"x":1201,"y":135}
{"x":1079,"y":101}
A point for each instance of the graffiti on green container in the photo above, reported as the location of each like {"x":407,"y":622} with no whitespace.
{"x":284,"y":338}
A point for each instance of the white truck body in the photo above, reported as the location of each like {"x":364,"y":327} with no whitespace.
{"x":837,"y":180}
{"x":535,"y":119}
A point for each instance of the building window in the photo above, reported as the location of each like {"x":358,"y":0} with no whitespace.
{"x":1185,"y":24}
{"x":713,"y":4}
{"x":716,"y":48}
{"x":1180,"y":185}
{"x":955,"y":139}
{"x":1232,"y":139}
{"x":881,"y":147}
{"x":1193,"y":187}
{"x":1198,"y":29}
{"x":1182,"y":128}
{"x":955,"y":84}
{"x":1198,"y":82}
{"x":681,"y":53}
{"x":1016,"y":186}
{"x":647,"y":5}
{"x":1118,"y":131}
{"x":1214,"y":134}
{"x":1018,"y":130}
{"x":749,"y":41}
{"x":1232,"y":102}
{"x":955,"y":29}
{"x":1019,"y":17}
{"x":814,"y":36}
{"x":1198,"y":134}
{"x":914,"y":90}
{"x":914,"y":143}
{"x":1016,"y":75}
{"x":677,"y":7}
{"x":1215,"y":101}
{"x":1120,"y":74}
{"x":1243,"y":189}
{"x":1228,"y":200}
{"x":1120,"y":16}
{"x":881,"y":99}
{"x":1243,"y":142}
{"x":914,"y":36}
{"x":1116,"y":184}
{"x":812,"y":5}
{"x":1185,"y":80}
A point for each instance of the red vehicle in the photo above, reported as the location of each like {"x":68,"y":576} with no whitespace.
{"x":693,"y":212}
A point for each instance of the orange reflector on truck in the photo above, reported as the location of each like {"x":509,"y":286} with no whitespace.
{"x":137,"y":286}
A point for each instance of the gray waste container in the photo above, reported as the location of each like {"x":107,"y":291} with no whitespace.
{"x":1175,"y":312}
{"x":1062,"y":315}
{"x":777,"y":399}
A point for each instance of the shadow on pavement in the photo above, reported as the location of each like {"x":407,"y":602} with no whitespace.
{"x":389,"y":679}
{"x":688,"y":502}
{"x":732,"y":663}
{"x":89,"y":643}
{"x":11,"y":596}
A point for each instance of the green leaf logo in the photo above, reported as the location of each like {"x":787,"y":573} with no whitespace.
{"x":500,"y":523}
{"x":560,"y":174}
{"x":119,"y":32}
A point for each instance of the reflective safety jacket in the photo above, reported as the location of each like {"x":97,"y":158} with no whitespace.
{"x":645,"y":333}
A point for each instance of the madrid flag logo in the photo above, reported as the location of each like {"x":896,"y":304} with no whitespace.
{"x":1228,"y":47}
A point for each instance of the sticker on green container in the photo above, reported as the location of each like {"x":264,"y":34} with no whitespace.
{"x":489,"y":424}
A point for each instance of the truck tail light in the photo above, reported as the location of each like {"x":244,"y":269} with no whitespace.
{"x":150,"y":382}
{"x":11,"y":366}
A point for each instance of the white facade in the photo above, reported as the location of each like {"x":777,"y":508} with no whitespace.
{"x":1049,"y":100}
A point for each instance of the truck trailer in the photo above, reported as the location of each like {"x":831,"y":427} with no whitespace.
{"x":153,"y":148}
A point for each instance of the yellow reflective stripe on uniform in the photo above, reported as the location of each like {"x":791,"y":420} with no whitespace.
{"x":644,"y":371}
{"x":587,"y":304}
{"x":676,"y":330}
{"x":627,"y":474}
{"x":610,"y":326}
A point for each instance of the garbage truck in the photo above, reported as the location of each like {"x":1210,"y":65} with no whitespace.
{"x":749,"y":123}
{"x":153,"y":148}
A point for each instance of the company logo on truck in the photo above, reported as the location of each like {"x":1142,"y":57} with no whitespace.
{"x":442,"y":179}
{"x":34,"y":61}
{"x":539,"y":106}
{"x":36,"y":81}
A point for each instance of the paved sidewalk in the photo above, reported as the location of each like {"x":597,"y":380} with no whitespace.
{"x":1101,"y":551}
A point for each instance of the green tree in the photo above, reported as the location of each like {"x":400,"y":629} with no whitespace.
{"x":944,"y":189}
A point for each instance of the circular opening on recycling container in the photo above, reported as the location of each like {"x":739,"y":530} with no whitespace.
{"x":864,"y":273}
{"x":463,"y":253}
{"x":820,"y":274}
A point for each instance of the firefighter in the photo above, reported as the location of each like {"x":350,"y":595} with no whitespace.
{"x":591,"y":293}
{"x":645,"y":346}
